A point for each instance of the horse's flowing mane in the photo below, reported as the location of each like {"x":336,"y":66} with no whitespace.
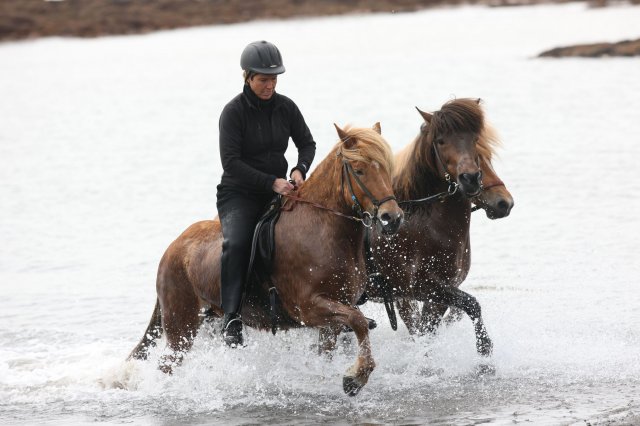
{"x":326,"y":180}
{"x":371,"y":147}
{"x":457,"y":115}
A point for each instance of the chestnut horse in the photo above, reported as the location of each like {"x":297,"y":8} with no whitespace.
{"x":318,"y":275}
{"x":451,"y":156}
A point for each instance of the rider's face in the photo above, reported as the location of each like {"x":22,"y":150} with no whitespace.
{"x":263,"y":85}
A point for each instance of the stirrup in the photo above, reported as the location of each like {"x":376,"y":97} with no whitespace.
{"x":232,"y":333}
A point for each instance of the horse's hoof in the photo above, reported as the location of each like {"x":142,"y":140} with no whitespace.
{"x":351,"y":385}
{"x":483,"y":370}
{"x":166,"y":369}
{"x":485,"y":348}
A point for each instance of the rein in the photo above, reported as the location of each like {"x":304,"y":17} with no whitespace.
{"x":441,"y":196}
{"x":366,"y":222}
{"x":367,"y":219}
{"x":452,"y":186}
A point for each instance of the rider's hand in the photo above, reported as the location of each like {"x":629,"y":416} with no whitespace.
{"x":282,"y":186}
{"x":296,"y":175}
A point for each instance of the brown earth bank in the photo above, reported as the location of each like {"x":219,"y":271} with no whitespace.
{"x":22,"y":19}
{"x":595,"y":50}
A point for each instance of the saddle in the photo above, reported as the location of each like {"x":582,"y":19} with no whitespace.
{"x":263,"y":247}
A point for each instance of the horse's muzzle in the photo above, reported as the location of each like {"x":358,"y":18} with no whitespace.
{"x":499,"y":209}
{"x":390,"y":221}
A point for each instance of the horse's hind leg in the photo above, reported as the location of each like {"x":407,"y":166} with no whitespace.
{"x":457,"y":298}
{"x":328,"y":339}
{"x":454,"y":315}
{"x":409,"y":312}
{"x":420,"y":321}
{"x":326,"y":312}
{"x":431,"y":317}
{"x":180,"y":319}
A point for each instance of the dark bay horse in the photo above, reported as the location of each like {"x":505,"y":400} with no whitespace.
{"x":497,"y":202}
{"x":452,"y":155}
{"x":318,"y":266}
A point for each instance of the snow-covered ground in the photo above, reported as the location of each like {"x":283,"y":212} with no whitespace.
{"x":108,"y":150}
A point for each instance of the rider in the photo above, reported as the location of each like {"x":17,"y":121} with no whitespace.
{"x":255,"y":128}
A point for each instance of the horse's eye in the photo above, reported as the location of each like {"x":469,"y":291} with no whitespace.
{"x":359,"y":172}
{"x":440,"y":141}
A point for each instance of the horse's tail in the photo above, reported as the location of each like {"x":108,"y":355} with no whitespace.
{"x":153,"y":332}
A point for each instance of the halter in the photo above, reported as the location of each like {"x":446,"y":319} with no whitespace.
{"x":367,"y":218}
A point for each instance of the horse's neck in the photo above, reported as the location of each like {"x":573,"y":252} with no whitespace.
{"x":455,"y":211}
{"x":324,"y":189}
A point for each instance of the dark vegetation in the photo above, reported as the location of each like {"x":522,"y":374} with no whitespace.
{"x":21,"y":19}
{"x":25,"y":19}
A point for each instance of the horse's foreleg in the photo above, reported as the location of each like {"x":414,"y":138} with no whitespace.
{"x":326,"y":312}
{"x":457,"y":298}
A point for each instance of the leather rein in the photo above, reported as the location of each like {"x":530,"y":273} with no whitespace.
{"x":365,"y":217}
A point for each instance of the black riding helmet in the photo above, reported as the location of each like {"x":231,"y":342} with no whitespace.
{"x":262,"y":57}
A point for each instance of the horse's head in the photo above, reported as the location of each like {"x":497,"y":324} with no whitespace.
{"x":495,"y":199}
{"x":451,"y":136}
{"x":367,"y":165}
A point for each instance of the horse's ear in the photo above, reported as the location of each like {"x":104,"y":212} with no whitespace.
{"x":478,"y":101}
{"x":377,"y":128}
{"x":425,"y":115}
{"x":344,"y":137}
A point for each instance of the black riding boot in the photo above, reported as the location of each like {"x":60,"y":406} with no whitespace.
{"x":232,"y":330}
{"x":239,"y":214}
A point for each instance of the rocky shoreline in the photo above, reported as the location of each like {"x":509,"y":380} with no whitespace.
{"x":595,"y":50}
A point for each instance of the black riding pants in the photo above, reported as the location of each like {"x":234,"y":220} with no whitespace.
{"x":239,"y":213}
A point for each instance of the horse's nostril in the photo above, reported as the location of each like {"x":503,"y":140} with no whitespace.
{"x":385,"y":217}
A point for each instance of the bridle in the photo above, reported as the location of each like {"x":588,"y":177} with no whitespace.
{"x":452,"y":186}
{"x":365,"y":217}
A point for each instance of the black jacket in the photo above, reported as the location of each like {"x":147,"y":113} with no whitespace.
{"x":254,"y":135}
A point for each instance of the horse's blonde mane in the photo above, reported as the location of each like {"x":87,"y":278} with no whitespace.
{"x":370,"y":147}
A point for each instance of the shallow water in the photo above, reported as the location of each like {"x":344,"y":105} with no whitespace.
{"x":108,"y":150}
